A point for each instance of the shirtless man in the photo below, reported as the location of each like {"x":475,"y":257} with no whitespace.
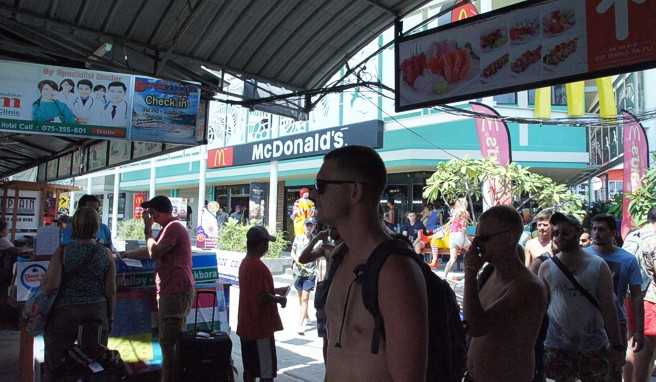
{"x":349,"y":186}
{"x":541,"y":244}
{"x":504,"y":317}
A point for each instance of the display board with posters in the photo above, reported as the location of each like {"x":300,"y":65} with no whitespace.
{"x":164,"y":111}
{"x":65,"y":166}
{"x":27,"y":214}
{"x":119,"y":152}
{"x":527,"y":45}
{"x":97,"y":156}
{"x":179,"y":207}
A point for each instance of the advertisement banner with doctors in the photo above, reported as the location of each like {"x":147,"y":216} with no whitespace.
{"x":45,"y":99}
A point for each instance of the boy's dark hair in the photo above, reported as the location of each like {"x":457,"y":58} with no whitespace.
{"x":651,"y":215}
{"x":87,"y":198}
{"x":98,"y":87}
{"x":118,"y":83}
{"x":361,"y":163}
{"x":609,"y":220}
{"x":84,"y":82}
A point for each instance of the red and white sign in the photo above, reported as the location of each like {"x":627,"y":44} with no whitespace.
{"x":636,"y":162}
{"x":138,"y":199}
{"x":463,"y":11}
{"x":494,"y":139}
{"x":524,"y":46}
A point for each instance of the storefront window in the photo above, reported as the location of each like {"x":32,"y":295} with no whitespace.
{"x":506,"y":99}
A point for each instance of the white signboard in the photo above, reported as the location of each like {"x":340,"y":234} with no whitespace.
{"x":27,"y":215}
{"x":227,"y":263}
{"x":28,"y":276}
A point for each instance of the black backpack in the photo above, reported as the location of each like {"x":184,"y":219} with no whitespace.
{"x":446,"y":346}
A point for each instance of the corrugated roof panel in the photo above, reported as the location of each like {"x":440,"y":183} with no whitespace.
{"x":275,"y":40}
{"x":276,"y":19}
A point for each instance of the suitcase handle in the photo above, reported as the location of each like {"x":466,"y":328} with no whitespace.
{"x":198,"y":293}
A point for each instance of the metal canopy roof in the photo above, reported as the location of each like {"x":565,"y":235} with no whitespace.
{"x":297,"y":44}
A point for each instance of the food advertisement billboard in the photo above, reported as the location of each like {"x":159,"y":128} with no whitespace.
{"x":531,"y":44}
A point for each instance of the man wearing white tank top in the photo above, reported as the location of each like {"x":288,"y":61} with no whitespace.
{"x":583,"y":340}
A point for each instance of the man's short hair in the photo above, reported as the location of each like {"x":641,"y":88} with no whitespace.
{"x":119,"y":84}
{"x":3,"y":225}
{"x":651,"y":215}
{"x":99,"y":87}
{"x":84,"y":82}
{"x":85,"y":223}
{"x":87,"y":198}
{"x":363,"y":164}
{"x":506,"y":216}
{"x":544,"y":215}
{"x":609,"y":220}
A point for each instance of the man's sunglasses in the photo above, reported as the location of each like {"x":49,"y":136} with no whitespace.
{"x":486,"y":238}
{"x":320,"y":184}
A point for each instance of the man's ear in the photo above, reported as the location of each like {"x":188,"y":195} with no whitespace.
{"x":357,"y":192}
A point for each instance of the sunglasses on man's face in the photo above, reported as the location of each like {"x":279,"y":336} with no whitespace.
{"x":485,"y":238}
{"x":320,"y":184}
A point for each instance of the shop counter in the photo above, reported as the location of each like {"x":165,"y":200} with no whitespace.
{"x":134,"y":331}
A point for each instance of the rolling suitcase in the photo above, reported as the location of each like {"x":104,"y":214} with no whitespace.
{"x":205,"y":356}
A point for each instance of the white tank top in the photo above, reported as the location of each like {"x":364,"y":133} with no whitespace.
{"x":574,"y":323}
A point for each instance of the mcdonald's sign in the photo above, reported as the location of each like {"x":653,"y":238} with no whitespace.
{"x":222,"y":157}
{"x":462,"y":12}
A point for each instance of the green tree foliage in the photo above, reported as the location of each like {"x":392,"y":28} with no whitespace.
{"x":644,"y":198}
{"x":131,"y":229}
{"x":233,"y":238}
{"x":456,"y":178}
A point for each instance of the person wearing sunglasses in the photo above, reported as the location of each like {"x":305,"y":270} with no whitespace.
{"x":504,"y":316}
{"x":583,"y":339}
{"x":349,"y":187}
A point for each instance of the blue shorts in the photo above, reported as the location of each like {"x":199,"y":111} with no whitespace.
{"x":304,"y":283}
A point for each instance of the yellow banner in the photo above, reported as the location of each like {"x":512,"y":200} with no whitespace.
{"x":575,"y":92}
{"x":607,"y":103}
{"x":543,"y":102}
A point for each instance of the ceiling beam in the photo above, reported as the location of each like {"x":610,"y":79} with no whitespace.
{"x":82,"y":12}
{"x":135,"y":46}
{"x":160,"y":23}
{"x":318,"y":32}
{"x":281,"y":22}
{"x":206,"y":29}
{"x":136,"y":17}
{"x":178,"y":35}
{"x":229,"y":30}
{"x":110,"y":15}
{"x":377,"y":4}
{"x":34,"y":145}
{"x":18,"y":154}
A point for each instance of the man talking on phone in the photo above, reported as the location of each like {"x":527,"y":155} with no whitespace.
{"x":503,"y":317}
{"x":171,"y":251}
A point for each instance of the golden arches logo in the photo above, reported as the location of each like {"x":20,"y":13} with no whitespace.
{"x":220,"y":157}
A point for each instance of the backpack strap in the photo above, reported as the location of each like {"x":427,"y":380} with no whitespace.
{"x":575,"y":283}
{"x":370,"y":283}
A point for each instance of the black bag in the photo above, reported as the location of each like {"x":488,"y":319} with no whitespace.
{"x":205,"y":358}
{"x":447,"y":346}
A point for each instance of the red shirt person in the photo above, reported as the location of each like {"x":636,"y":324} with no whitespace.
{"x":258,"y":317}
{"x":175,"y":281}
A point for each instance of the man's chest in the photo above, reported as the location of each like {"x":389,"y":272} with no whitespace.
{"x":346,"y":313}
